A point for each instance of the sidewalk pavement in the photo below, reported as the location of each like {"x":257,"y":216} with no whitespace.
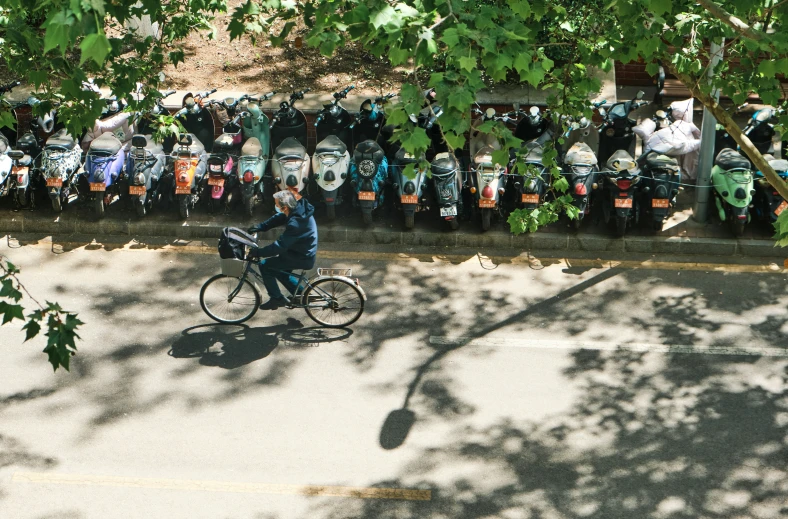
{"x":680,"y":236}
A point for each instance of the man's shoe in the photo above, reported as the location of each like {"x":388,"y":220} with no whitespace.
{"x":274,"y":303}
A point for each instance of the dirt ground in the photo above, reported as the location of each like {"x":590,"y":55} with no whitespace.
{"x":260,"y":68}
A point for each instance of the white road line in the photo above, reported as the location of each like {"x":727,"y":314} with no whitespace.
{"x":557,"y":344}
{"x":222,"y":486}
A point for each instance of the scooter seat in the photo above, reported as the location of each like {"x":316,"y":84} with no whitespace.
{"x":196,"y":146}
{"x":403,"y":157}
{"x":62,"y":139}
{"x":621,"y":160}
{"x":224,"y":142}
{"x":484,"y":156}
{"x":331,"y":144}
{"x":729,"y":158}
{"x":105,"y":143}
{"x":368,"y":150}
{"x":252,"y":146}
{"x":290,"y":147}
{"x":444,"y":164}
{"x":532,"y":152}
{"x":581,"y":153}
{"x":658,"y":161}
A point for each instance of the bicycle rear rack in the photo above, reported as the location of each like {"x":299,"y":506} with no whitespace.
{"x":335,"y":272}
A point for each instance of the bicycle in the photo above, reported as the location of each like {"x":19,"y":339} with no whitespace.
{"x":331,"y":298}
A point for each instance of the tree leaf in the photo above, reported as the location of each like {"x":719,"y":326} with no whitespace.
{"x":11,"y":312}
{"x":521,"y":8}
{"x":450,"y":37}
{"x":57,"y":31}
{"x":32,"y":328}
{"x":660,"y":6}
{"x":460,"y":99}
{"x":467,"y":63}
{"x":96,"y":47}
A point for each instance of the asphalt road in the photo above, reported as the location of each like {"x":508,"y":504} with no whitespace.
{"x":472,"y":387}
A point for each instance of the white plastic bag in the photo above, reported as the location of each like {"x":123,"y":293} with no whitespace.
{"x":645,"y":129}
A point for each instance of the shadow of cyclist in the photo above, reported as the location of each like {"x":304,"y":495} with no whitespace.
{"x":229,"y":346}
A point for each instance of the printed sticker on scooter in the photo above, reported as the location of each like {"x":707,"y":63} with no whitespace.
{"x":183,"y":190}
{"x":486,"y":204}
{"x":215,"y":181}
{"x":530,"y":198}
{"x":410,"y":199}
{"x":662,"y":203}
{"x":781,"y":208}
{"x":366,"y":195}
{"x":137,"y":190}
{"x":98,"y":186}
{"x":449,"y":211}
{"x":623,"y":203}
{"x":54,"y":182}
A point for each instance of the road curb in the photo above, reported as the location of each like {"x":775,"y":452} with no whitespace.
{"x":70,"y":223}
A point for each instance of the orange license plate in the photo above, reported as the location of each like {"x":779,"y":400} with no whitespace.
{"x":781,"y":208}
{"x":137,"y":190}
{"x":532,"y":198}
{"x":215,"y":181}
{"x":183,"y":190}
{"x":98,"y":186}
{"x":19,"y":170}
{"x":366,"y":195}
{"x":409,"y":199}
{"x":624,"y":203}
{"x":662,"y":203}
{"x":486,"y":204}
{"x":54,"y":182}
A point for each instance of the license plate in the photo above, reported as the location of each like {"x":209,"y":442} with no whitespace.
{"x":215,"y":181}
{"x":663,"y":203}
{"x":137,"y":190}
{"x":781,"y":208}
{"x":410,"y":199}
{"x":449,"y":211}
{"x":54,"y":182}
{"x":366,"y":195}
{"x":486,"y":204}
{"x":98,"y":186}
{"x":623,"y":203}
{"x":183,"y":190}
{"x":530,"y":198}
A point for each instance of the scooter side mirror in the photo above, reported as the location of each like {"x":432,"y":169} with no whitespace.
{"x":489,"y":113}
{"x":602,"y":112}
{"x":640,"y":95}
{"x":516,"y":107}
{"x":534,"y":111}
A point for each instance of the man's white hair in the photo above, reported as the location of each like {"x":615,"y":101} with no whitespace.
{"x":286,"y":199}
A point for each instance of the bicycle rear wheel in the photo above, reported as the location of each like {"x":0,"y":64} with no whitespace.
{"x":228,"y":300}
{"x":333,"y":302}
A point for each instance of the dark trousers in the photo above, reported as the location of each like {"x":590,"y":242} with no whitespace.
{"x":277,"y":269}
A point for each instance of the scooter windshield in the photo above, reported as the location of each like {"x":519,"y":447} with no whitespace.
{"x":618,"y":111}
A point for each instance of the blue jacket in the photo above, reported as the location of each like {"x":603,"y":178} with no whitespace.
{"x":298,"y":244}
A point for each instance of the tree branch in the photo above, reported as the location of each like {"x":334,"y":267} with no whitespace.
{"x":732,"y":21}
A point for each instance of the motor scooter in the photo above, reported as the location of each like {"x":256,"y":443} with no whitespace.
{"x":290,"y":166}
{"x":619,"y":197}
{"x":531,"y":125}
{"x":104,"y":162}
{"x":767,"y":201}
{"x":61,"y":160}
{"x":288,"y":121}
{"x":146,"y":124}
{"x":222,"y":164}
{"x":412,"y":193}
{"x":197,"y":119}
{"x":368,"y":175}
{"x":189,"y":162}
{"x":145,"y":164}
{"x":615,"y":132}
{"x":580,"y":168}
{"x":447,"y":187}
{"x":732,"y":182}
{"x":330,"y":167}
{"x":9,"y":133}
{"x":487,"y":183}
{"x":760,"y":130}
{"x":660,"y":180}
{"x":335,"y":120}
{"x":370,"y":123}
{"x":17,"y":177}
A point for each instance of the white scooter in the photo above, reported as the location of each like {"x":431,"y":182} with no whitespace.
{"x":330,"y":165}
{"x":290,"y":166}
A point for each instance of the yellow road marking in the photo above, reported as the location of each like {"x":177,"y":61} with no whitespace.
{"x":223,"y":486}
{"x":196,"y":247}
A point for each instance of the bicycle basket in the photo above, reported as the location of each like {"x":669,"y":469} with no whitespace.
{"x":233,"y":267}
{"x":335,"y":272}
{"x":233,"y":242}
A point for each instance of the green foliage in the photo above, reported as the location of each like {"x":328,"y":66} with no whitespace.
{"x":61,"y":325}
{"x":781,"y":229}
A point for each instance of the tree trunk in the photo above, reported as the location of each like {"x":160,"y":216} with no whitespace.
{"x":724,"y":118}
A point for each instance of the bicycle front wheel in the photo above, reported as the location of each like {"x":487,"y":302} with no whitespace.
{"x":229,"y":300}
{"x":334,"y":303}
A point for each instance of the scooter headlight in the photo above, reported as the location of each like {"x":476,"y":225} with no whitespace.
{"x":610,"y":132}
{"x":139,"y":179}
{"x":366,"y":168}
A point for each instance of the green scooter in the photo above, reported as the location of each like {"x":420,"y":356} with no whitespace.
{"x":733,"y":189}
{"x":254,"y":153}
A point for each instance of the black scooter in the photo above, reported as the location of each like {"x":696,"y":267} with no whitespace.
{"x":616,"y":133}
{"x":196,"y":117}
{"x":335,"y":120}
{"x":289,"y":121}
{"x":370,"y":122}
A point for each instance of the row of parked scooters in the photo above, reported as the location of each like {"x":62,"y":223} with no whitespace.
{"x":356,"y":163}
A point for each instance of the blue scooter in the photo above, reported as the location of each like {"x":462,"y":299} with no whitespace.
{"x":103,"y":164}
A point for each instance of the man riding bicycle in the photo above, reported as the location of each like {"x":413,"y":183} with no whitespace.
{"x":295,"y":248}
